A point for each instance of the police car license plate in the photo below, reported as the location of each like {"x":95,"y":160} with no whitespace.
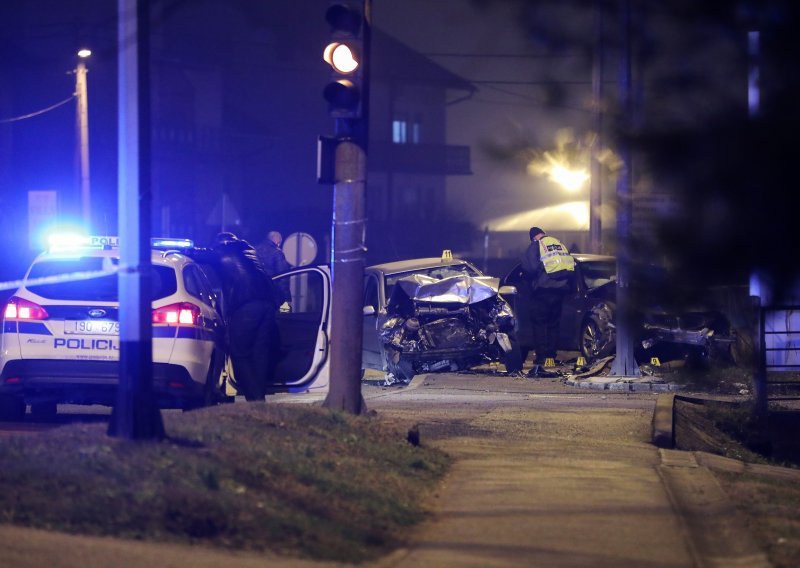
{"x":91,"y":327}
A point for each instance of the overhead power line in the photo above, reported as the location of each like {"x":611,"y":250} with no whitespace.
{"x":502,"y":55}
{"x":38,"y":112}
{"x":539,"y":82}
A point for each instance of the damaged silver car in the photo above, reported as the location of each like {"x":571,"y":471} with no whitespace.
{"x":433,"y":315}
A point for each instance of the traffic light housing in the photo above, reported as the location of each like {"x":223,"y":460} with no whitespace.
{"x":345,"y":56}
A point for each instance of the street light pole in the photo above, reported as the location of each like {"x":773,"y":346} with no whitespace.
{"x":82,"y":129}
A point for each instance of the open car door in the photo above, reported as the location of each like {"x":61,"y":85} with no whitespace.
{"x":303,"y":357}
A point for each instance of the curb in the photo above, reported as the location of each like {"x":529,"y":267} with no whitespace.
{"x":717,"y":532}
{"x":623,"y":385}
{"x":663,"y":431}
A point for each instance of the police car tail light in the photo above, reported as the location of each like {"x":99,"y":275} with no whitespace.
{"x":19,"y":308}
{"x":182,"y":313}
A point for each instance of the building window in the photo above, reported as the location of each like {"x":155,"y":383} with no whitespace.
{"x":407,"y":132}
{"x":399,"y":131}
{"x":416,"y":128}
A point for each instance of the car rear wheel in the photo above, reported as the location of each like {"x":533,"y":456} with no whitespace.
{"x":212,"y":392}
{"x":12,"y":408}
{"x":595,"y":341}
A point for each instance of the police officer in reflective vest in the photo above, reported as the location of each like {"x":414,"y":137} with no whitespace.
{"x":550,"y":270}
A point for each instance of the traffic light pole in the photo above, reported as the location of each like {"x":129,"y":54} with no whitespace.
{"x":347,"y":266}
{"x":348,"y":253}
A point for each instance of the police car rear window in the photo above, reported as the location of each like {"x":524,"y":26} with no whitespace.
{"x":99,"y":288}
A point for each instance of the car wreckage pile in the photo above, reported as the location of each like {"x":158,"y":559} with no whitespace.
{"x":445,"y":324}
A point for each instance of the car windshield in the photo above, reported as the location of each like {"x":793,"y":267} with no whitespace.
{"x":438,"y":272}
{"x":92,"y":288}
{"x":597,"y":273}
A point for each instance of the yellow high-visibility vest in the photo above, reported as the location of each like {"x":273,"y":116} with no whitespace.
{"x":554,"y":255}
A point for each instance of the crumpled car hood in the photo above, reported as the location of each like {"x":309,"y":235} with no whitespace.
{"x":444,"y":324}
{"x":454,"y":290}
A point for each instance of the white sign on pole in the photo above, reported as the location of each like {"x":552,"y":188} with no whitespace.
{"x":300,"y":249}
{"x":42,"y":207}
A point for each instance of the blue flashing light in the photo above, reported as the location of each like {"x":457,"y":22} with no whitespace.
{"x":161,"y":243}
{"x":62,"y":242}
{"x":69,"y":242}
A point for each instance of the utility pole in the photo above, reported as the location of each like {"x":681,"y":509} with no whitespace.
{"x":757,"y":288}
{"x":82,"y":130}
{"x":596,"y":189}
{"x":135,"y":414}
{"x":624,"y":364}
{"x":348,"y":97}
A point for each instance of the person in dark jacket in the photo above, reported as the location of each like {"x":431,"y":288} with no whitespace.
{"x":550,"y":270}
{"x":274,"y":261}
{"x":249,"y":306}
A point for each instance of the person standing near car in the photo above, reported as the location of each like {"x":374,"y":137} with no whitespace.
{"x":249,"y":310}
{"x":274,"y":261}
{"x":550,"y":270}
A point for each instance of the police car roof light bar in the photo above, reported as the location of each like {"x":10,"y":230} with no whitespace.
{"x":65,"y":242}
{"x":166,"y":242}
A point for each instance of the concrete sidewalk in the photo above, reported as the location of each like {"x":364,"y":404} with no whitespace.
{"x":547,"y":485}
{"x":551,"y":499}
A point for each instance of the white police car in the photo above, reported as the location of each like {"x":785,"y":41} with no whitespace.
{"x":60,"y":340}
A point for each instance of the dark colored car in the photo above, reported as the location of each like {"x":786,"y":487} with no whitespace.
{"x":588,"y":317}
{"x":427,"y":315}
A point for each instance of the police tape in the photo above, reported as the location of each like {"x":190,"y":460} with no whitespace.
{"x":56,"y":279}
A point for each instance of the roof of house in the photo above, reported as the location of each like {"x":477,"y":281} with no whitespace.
{"x":395,"y":62}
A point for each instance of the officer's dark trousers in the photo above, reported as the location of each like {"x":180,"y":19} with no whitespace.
{"x":253,"y":341}
{"x":545,"y":317}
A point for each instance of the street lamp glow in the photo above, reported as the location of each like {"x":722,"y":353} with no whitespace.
{"x":556,"y":168}
{"x":84,"y":53}
{"x":571,"y":180}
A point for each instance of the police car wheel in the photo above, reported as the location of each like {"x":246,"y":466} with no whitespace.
{"x":44,"y":410}
{"x":12,"y":408}
{"x":211,"y":390}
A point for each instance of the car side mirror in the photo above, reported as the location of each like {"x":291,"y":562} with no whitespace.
{"x":368,"y":310}
{"x":508,"y":290}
